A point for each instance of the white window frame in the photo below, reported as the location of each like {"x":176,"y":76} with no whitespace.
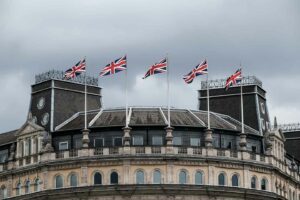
{"x":197,"y":139}
{"x":157,"y":137}
{"x":133,"y":141}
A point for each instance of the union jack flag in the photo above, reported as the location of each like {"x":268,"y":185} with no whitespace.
{"x":75,"y":70}
{"x":200,"y":69}
{"x":157,"y":68}
{"x":114,"y":67}
{"x":234,"y":79}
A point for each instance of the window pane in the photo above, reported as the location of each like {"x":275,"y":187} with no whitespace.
{"x":58,"y":182}
{"x":97,"y":178}
{"x":182,"y":177}
{"x":235,"y":180}
{"x":263,"y":184}
{"x":198,"y":178}
{"x":99,"y":142}
{"x":195,"y":142}
{"x":18,"y":189}
{"x":177,"y":141}
{"x":63,"y":145}
{"x":27,"y":187}
{"x":73,"y":180}
{"x":117,"y":142}
{"x":78,"y":143}
{"x":3,"y":155}
{"x":222,"y":179}
{"x":253,"y":183}
{"x":156,"y":177}
{"x":140,"y":177}
{"x":138,"y":140}
{"x":114,"y":178}
{"x":157,"y":140}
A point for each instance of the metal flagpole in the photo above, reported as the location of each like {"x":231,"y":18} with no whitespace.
{"x":242,"y":106}
{"x":126,"y":95}
{"x":85,"y":98}
{"x":208,"y":112}
{"x":168,"y":91}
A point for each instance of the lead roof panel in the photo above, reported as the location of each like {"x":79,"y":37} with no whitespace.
{"x":146,"y":117}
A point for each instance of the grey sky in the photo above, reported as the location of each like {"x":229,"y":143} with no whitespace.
{"x":36,"y":36}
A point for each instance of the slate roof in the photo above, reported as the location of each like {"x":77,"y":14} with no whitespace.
{"x":8,"y":137}
{"x":155,"y":116}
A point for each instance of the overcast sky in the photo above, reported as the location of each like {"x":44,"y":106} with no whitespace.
{"x":264,"y":35}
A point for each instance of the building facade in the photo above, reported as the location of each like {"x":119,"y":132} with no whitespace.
{"x":145,"y":161}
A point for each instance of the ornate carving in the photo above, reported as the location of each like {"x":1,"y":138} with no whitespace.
{"x":47,"y":143}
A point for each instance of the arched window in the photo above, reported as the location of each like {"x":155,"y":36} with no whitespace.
{"x":59,"y":181}
{"x":198,"y":178}
{"x":18,"y":189}
{"x":3,"y":192}
{"x":37,"y":186}
{"x":73,"y":180}
{"x":156,"y":177}
{"x":221,"y":179}
{"x":235,"y":180}
{"x":97,"y":178}
{"x":182,"y":177}
{"x":253,"y":182}
{"x":263,"y":184}
{"x":27,"y":187}
{"x":140,"y":177}
{"x":114,"y":178}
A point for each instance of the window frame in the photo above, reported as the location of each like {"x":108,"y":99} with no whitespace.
{"x":63,"y":142}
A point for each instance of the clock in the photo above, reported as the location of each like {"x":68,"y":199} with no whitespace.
{"x":41,"y":103}
{"x":263,"y":108}
{"x":34,"y":119}
{"x":45,"y":119}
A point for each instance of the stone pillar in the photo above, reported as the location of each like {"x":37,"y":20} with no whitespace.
{"x":169,"y":140}
{"x":85,"y":138}
{"x":170,"y":173}
{"x":208,"y":138}
{"x":127,"y":178}
{"x":32,"y":141}
{"x":18,"y":149}
{"x":243,"y":142}
{"x":126,"y":140}
{"x":84,"y":176}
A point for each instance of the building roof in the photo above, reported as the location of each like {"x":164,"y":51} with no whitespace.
{"x":154,"y":116}
{"x":8,"y":137}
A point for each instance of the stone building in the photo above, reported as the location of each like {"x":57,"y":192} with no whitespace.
{"x":51,"y":157}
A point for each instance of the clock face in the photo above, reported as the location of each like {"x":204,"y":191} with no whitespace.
{"x":45,"y":119}
{"x":41,"y":103}
{"x":262,"y":108}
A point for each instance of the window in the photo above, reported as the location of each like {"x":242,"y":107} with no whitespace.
{"x":118,"y":142}
{"x":198,"y":178}
{"x":253,"y":182}
{"x":263,"y":184}
{"x":157,"y":140}
{"x":63,"y":146}
{"x":221,"y":179}
{"x":3,"y":155}
{"x":195,"y":142}
{"x":27,"y":147}
{"x":97,"y":178}
{"x":235,"y":180}
{"x":182,"y":177}
{"x":3,"y":192}
{"x":114,"y":178}
{"x":177,"y":141}
{"x":73,"y":180}
{"x":138,"y":140}
{"x":156,"y":177}
{"x":37,"y":185}
{"x":78,"y":143}
{"x":140,"y":179}
{"x":18,"y":189}
{"x":59,"y":182}
{"x":98,"y":142}
{"x":27,"y":187}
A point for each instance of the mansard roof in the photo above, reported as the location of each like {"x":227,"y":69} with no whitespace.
{"x":8,"y":137}
{"x":153,"y":116}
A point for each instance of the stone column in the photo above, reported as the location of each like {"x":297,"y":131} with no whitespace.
{"x":18,"y":149}
{"x":85,"y":138}
{"x":169,"y":140}
{"x":243,"y":142}
{"x":126,"y":140}
{"x":208,"y":138}
{"x":84,"y":176}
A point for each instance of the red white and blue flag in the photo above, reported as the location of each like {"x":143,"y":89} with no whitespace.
{"x":76,"y":70}
{"x":200,"y":69}
{"x":234,"y":79}
{"x":157,"y":68}
{"x":114,"y":67}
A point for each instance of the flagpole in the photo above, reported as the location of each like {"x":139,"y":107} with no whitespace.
{"x":242,"y":106}
{"x":168,"y":91}
{"x":208,"y":108}
{"x":85,"y":98}
{"x":126,"y":95}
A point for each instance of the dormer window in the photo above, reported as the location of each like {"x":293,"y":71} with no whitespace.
{"x":63,"y":145}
